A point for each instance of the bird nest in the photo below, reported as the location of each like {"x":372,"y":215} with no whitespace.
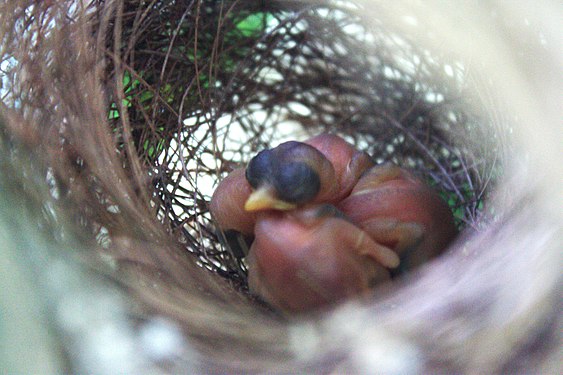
{"x":132,"y":112}
{"x":214,"y":84}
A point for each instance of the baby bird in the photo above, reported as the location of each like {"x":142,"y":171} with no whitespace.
{"x":323,"y":169}
{"x":400,"y":211}
{"x":313,"y":257}
{"x":289,"y":175}
{"x":328,"y":224}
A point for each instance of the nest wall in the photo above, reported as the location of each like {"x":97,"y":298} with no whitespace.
{"x":120,"y":117}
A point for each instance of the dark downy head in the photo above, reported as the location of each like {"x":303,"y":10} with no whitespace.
{"x":287,"y":176}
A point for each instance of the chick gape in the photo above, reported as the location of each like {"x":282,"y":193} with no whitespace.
{"x":328,"y":224}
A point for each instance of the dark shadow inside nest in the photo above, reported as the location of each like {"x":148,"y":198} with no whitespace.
{"x":217,"y":85}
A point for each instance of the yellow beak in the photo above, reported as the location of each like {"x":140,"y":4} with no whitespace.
{"x":264,"y":199}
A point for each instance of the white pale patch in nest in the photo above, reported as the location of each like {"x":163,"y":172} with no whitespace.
{"x":410,"y":20}
{"x":372,"y":349}
{"x":161,"y":340}
{"x":106,"y":343}
{"x":375,"y":352}
{"x":304,"y":340}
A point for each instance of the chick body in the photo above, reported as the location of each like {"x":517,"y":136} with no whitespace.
{"x":400,"y":211}
{"x":302,"y":260}
{"x":306,"y":257}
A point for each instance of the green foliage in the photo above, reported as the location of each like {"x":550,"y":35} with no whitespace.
{"x":254,"y":24}
{"x":457,"y":205}
{"x":211,"y":59}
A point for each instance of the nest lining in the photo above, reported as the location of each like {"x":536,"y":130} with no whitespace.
{"x":195,"y":89}
{"x":257,"y":75}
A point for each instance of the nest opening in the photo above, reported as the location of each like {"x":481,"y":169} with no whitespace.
{"x":259,"y":75}
{"x":197,"y":88}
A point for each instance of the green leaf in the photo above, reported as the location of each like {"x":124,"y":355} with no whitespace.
{"x":254,"y":24}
